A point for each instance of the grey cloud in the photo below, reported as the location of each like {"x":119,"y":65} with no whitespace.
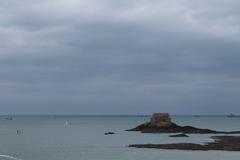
{"x":119,"y":56}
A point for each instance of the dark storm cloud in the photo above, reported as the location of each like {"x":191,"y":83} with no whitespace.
{"x":118,"y":57}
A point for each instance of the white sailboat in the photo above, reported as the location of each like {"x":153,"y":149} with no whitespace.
{"x":66,"y":123}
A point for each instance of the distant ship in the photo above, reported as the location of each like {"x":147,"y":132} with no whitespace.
{"x":233,"y":116}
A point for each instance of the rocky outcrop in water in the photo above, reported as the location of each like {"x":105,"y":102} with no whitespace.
{"x":161,"y":123}
{"x":226,"y":143}
{"x":179,"y":135}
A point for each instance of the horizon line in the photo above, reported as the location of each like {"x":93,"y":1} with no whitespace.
{"x":55,"y":114}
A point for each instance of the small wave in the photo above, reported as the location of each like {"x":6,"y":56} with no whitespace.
{"x":9,"y":157}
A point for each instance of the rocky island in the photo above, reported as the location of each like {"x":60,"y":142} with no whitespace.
{"x":225,"y":143}
{"x":161,"y":123}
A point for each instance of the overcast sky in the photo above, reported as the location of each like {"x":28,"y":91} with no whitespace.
{"x":119,"y":56}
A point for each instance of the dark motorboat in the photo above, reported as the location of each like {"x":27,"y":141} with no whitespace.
{"x":109,"y":133}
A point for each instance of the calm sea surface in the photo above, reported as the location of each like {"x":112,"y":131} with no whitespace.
{"x":49,"y":138}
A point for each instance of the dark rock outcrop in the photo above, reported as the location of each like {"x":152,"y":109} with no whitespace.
{"x":161,"y":123}
{"x":179,"y":135}
{"x":226,"y":143}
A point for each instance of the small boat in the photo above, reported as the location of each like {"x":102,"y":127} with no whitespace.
{"x":108,"y":133}
{"x":233,"y":116}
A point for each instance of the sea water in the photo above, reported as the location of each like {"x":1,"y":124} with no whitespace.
{"x":82,"y":138}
